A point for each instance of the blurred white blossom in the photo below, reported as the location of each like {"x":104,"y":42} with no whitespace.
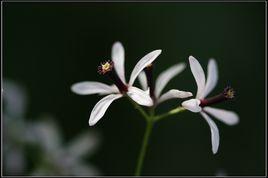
{"x":14,"y":107}
{"x":55,"y":157}
{"x":58,"y":158}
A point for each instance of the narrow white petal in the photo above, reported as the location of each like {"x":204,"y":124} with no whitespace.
{"x":118,"y":57}
{"x":212,"y":77}
{"x":113,"y":88}
{"x":192,"y":105}
{"x":100,"y":108}
{"x":174,"y":94}
{"x":166,"y":76}
{"x":199,"y":76}
{"x":145,"y":61}
{"x":88,"y":88}
{"x":228,"y":117}
{"x":139,"y":96}
{"x":143,"y":80}
{"x":215,"y":137}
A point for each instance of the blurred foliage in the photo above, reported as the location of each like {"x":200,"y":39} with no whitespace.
{"x":40,"y":142}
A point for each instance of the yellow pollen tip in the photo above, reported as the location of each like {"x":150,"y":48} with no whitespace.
{"x":229,"y":92}
{"x":106,"y":66}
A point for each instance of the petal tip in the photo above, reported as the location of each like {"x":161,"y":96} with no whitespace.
{"x":75,"y":89}
{"x":91,"y":122}
{"x":215,"y":149}
{"x":213,"y":61}
{"x":72,"y":87}
{"x":158,"y":51}
{"x":190,"y":94}
{"x":236,"y":120}
{"x":191,"y":57}
{"x":117,"y":43}
{"x":183,"y":64}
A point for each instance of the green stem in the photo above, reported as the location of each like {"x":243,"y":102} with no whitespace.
{"x":171,"y":112}
{"x":144,"y":146}
{"x":150,"y":119}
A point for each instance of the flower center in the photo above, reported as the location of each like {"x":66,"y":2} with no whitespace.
{"x":227,"y":94}
{"x":108,"y":68}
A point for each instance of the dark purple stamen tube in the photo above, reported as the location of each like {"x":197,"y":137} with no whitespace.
{"x":149,"y":75}
{"x":228,"y":93}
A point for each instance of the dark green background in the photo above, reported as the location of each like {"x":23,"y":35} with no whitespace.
{"x":49,"y":46}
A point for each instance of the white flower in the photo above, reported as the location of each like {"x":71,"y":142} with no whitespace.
{"x":201,"y":105}
{"x":161,"y":81}
{"x":115,"y":70}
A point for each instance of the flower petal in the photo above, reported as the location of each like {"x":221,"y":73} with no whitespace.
{"x":215,"y":137}
{"x":192,"y":105}
{"x":174,"y":94}
{"x":199,"y":76}
{"x":139,"y":96}
{"x":89,"y":88}
{"x":227,"y":117}
{"x":212,"y":77}
{"x":166,"y":76}
{"x":145,"y":61}
{"x":118,"y":57}
{"x":143,"y":80}
{"x":100,"y":108}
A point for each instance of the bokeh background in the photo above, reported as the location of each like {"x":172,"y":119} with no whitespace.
{"x":50,"y":46}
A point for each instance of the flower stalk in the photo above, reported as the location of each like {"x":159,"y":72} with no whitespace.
{"x":151,"y":119}
{"x":171,"y":112}
{"x":144,"y":146}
